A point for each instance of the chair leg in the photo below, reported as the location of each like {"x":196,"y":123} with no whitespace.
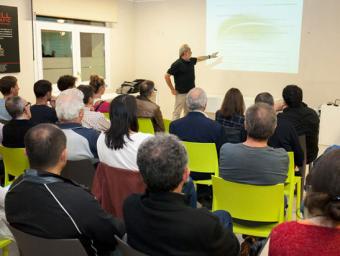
{"x":298,"y":199}
{"x":5,"y":251}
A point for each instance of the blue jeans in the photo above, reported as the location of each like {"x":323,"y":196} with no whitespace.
{"x":225,"y":219}
{"x":189,"y":190}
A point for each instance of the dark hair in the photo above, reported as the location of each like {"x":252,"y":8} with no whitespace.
{"x":265,"y":97}
{"x":96,"y":82}
{"x":233,"y":103}
{"x":66,"y":82}
{"x":7,"y":83}
{"x":260,"y":121}
{"x":44,"y":144}
{"x":146,"y":88}
{"x":324,"y":197}
{"x":41,"y":88}
{"x":123,"y":118}
{"x":292,"y":95}
{"x":161,"y":161}
{"x":87,"y":91}
{"x":15,"y":106}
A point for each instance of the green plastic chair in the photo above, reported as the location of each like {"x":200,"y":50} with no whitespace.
{"x":261,"y":204}
{"x":167,"y":124}
{"x":107,"y":115}
{"x":202,"y":158}
{"x":291,"y":183}
{"x":15,"y":162}
{"x":145,"y":125}
{"x":4,"y":246}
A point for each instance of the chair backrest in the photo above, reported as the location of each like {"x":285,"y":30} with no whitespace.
{"x":81,"y":171}
{"x":111,"y":186}
{"x":32,"y":245}
{"x":127,"y":250}
{"x":202,"y":157}
{"x":145,"y":125}
{"x":107,"y":115}
{"x":249,"y":202}
{"x":167,"y":124}
{"x":15,"y":161}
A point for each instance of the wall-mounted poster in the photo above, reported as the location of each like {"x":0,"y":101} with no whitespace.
{"x":9,"y":40}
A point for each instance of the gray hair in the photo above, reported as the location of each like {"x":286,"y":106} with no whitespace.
{"x":265,"y":97}
{"x":15,"y":106}
{"x":260,"y":121}
{"x":183,"y":49}
{"x":161,"y":161}
{"x":68,"y":104}
{"x":196,"y":99}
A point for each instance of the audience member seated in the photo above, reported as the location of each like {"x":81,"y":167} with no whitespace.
{"x":231,"y":116}
{"x":305,"y":120}
{"x":319,"y":234}
{"x":147,"y":108}
{"x":159,"y":222}
{"x":14,"y":131}
{"x":253,"y":161}
{"x":42,"y":203}
{"x":81,"y":141}
{"x":66,"y":82}
{"x":98,"y":85}
{"x":41,"y":111}
{"x":91,"y":118}
{"x":9,"y":88}
{"x":285,"y":135}
{"x":117,"y":147}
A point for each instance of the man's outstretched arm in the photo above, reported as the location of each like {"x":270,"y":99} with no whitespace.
{"x":212,"y":56}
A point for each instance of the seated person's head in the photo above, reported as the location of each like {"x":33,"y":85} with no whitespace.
{"x":265,"y":97}
{"x":18,"y":108}
{"x":66,"y":82}
{"x":146,"y":88}
{"x":46,"y":148}
{"x":292,"y":95}
{"x":9,"y":86}
{"x":233,"y":103}
{"x":260,"y":121}
{"x":196,"y":99}
{"x":98,"y":85}
{"x":323,"y":199}
{"x":43,"y":88}
{"x":162,"y":162}
{"x":88,"y":92}
{"x":69,"y":106}
{"x":123,"y":119}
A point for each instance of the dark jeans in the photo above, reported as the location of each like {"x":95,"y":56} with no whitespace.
{"x":190,"y":192}
{"x":225,"y":219}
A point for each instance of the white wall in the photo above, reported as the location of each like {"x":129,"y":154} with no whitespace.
{"x":161,"y":27}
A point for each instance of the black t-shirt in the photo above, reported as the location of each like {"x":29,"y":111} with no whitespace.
{"x":43,"y":114}
{"x":184,"y":74}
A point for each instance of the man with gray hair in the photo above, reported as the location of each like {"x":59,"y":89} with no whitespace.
{"x":166,"y":224}
{"x":81,"y":141}
{"x":253,"y":161}
{"x":14,"y":131}
{"x":183,"y":70}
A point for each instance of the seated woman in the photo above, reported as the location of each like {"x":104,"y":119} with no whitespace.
{"x":320,"y":233}
{"x":231,"y":116}
{"x":92,"y":119}
{"x":98,"y":85}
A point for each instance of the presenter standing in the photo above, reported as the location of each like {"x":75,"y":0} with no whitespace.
{"x":183,"y":71}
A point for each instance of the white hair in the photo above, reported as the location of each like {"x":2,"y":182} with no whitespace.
{"x":196,"y":99}
{"x":69,"y":103}
{"x":184,"y":48}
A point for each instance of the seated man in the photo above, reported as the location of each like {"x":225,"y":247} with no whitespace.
{"x":81,"y":141}
{"x":9,"y":88}
{"x":66,"y":82}
{"x":305,"y":120}
{"x":42,"y":203}
{"x":14,"y":131}
{"x":159,"y":222}
{"x":41,"y":111}
{"x":285,"y":135}
{"x":147,"y":108}
{"x":252,"y":161}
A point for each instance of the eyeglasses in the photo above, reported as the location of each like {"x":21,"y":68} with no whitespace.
{"x":28,"y":104}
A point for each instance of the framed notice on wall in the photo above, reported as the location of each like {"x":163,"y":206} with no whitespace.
{"x":9,"y":40}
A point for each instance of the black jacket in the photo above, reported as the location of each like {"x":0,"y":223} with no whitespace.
{"x":163,"y":224}
{"x":306,"y":121}
{"x":50,"y":206}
